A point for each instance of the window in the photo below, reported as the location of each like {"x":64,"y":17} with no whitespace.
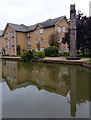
{"x":28,"y":35}
{"x":59,"y":39}
{"x":41,"y":31}
{"x":8,"y":33}
{"x":36,"y":31}
{"x":13,"y":51}
{"x":29,"y":43}
{"x":7,"y":44}
{"x":41,"y":40}
{"x":12,"y":35}
{"x":59,"y":30}
{"x":5,"y":37}
{"x":6,"y":51}
{"x":63,"y":29}
{"x":36,"y":40}
{"x":13,"y":43}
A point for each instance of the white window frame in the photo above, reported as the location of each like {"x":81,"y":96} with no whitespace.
{"x":29,"y":35}
{"x":13,"y":43}
{"x":5,"y":37}
{"x":8,"y":33}
{"x":13,"y":51}
{"x":41,"y":31}
{"x":36,"y":41}
{"x":41,"y":40}
{"x":29,"y":42}
{"x":59,"y":30}
{"x":7,"y":44}
{"x":59,"y":41}
{"x":12,"y":35}
{"x":6,"y":51}
{"x":64,"y":29}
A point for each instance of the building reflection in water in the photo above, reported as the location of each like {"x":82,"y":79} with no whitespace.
{"x":59,"y":79}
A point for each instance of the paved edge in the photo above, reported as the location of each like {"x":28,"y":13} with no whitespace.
{"x":82,"y":63}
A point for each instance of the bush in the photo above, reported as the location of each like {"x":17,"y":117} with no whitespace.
{"x":5,"y":55}
{"x":36,"y":57}
{"x":33,"y":51}
{"x":40,"y":53}
{"x":26,"y":56}
{"x":51,"y":51}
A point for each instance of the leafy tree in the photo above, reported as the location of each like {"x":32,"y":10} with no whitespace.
{"x":83,"y":24}
{"x":53,"y":41}
{"x":83,"y":33}
{"x":18,"y":49}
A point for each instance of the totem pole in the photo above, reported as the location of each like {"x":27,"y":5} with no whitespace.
{"x":73,"y":34}
{"x":72,"y":31}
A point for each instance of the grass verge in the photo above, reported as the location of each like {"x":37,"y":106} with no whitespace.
{"x":88,"y":61}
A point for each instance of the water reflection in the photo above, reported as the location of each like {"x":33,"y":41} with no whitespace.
{"x":69,"y":81}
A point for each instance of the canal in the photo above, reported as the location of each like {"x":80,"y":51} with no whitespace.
{"x":38,"y":90}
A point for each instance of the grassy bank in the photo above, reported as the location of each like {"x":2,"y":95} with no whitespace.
{"x":88,"y":61}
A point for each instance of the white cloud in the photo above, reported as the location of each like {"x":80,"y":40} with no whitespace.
{"x":32,"y":11}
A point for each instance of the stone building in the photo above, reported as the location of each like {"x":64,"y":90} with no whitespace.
{"x":1,"y":33}
{"x":17,"y":38}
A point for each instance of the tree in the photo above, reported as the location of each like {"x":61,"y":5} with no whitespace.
{"x":38,"y":45}
{"x":18,"y":49}
{"x":83,"y":33}
{"x":53,"y":40}
{"x":67,"y":38}
{"x":83,"y":24}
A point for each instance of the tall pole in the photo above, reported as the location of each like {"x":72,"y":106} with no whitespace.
{"x":72,"y":31}
{"x":73,"y":78}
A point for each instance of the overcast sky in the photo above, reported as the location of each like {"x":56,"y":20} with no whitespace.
{"x":30,"y":12}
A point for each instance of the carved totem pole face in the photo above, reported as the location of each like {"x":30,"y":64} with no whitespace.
{"x":72,"y":17}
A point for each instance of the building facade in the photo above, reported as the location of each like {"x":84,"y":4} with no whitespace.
{"x":1,"y":38}
{"x":17,"y":38}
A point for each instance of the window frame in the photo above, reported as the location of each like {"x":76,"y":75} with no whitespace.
{"x":36,"y":41}
{"x":41,"y":31}
{"x":42,"y":40}
{"x":58,"y":29}
{"x":64,"y":29}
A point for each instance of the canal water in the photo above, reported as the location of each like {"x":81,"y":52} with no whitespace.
{"x":38,"y":90}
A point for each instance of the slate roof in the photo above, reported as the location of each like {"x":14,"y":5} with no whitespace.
{"x":51,"y":22}
{"x":31,"y":28}
{"x":19,"y":28}
{"x":1,"y":33}
{"x":45,"y":24}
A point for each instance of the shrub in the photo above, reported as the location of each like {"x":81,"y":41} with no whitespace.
{"x":5,"y":55}
{"x":26,"y":56}
{"x":51,"y":51}
{"x":36,"y":57}
{"x":12,"y":55}
{"x":33,"y":51}
{"x":40,"y":53}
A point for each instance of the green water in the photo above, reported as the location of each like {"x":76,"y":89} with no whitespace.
{"x":38,"y":90}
